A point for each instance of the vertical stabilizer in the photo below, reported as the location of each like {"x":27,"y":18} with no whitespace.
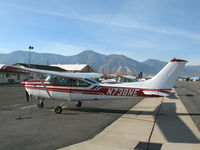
{"x":167,"y":77}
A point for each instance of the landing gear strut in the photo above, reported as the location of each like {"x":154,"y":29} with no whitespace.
{"x":78,"y":104}
{"x":40,"y":104}
{"x":58,"y":110}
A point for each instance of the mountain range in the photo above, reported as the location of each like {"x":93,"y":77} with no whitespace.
{"x":102,"y":63}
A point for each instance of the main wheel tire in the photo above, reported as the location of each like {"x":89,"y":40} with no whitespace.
{"x":58,"y":110}
{"x":40,"y":104}
{"x":79,"y":104}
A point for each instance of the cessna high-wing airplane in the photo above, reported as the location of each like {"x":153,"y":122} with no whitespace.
{"x":81,"y":87}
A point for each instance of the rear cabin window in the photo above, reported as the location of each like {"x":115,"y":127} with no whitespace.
{"x":77,"y":82}
{"x":90,"y":80}
{"x":63,"y":81}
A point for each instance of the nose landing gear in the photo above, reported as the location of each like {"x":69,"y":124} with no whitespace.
{"x":41,"y":104}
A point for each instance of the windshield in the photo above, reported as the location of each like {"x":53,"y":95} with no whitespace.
{"x":49,"y":78}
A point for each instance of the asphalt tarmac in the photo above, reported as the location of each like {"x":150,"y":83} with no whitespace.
{"x":189,"y":93}
{"x":24,"y":126}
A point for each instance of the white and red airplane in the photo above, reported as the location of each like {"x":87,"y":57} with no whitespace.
{"x":81,"y":87}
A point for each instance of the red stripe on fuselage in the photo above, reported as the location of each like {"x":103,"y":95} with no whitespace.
{"x":107,"y":91}
{"x":65,"y":90}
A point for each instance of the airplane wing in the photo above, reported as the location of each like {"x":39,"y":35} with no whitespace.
{"x":157,"y":93}
{"x":1,"y":66}
{"x":55,"y":73}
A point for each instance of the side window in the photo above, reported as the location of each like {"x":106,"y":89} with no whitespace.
{"x":91,"y":80}
{"x":83,"y":83}
{"x":76,"y":82}
{"x":62,"y":81}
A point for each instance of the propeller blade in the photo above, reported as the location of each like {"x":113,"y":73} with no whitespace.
{"x":27,"y":96}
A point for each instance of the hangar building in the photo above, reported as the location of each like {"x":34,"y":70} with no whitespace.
{"x":17,"y":77}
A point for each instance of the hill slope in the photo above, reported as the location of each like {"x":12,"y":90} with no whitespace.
{"x":102,"y":63}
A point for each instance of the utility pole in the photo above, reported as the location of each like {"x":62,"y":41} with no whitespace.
{"x":29,"y":59}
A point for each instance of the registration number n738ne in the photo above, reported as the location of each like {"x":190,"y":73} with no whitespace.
{"x":122,"y":92}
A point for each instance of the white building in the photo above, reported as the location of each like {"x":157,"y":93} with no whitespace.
{"x":76,"y":67}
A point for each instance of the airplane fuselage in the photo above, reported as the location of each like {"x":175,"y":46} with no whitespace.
{"x":85,"y":91}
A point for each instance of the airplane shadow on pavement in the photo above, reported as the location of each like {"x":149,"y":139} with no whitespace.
{"x":172,"y":127}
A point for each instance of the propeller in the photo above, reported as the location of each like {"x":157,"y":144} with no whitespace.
{"x":27,"y":96}
{"x":29,"y":100}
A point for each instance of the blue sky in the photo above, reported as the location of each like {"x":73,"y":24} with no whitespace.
{"x":140,"y":29}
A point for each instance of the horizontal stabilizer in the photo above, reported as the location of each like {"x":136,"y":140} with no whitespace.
{"x":155,"y":93}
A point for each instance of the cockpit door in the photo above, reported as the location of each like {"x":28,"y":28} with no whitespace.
{"x":62,"y":88}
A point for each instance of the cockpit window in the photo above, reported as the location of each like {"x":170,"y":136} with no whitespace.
{"x":49,"y":78}
{"x":77,"y":82}
{"x":63,"y":81}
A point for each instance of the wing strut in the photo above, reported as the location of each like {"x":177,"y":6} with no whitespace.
{"x":46,"y":89}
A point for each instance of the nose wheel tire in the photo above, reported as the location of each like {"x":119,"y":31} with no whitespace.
{"x":40,"y":104}
{"x":58,"y":110}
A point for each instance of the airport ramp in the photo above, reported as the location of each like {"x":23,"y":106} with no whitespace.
{"x":153,"y":124}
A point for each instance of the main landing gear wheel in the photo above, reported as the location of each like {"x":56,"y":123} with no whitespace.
{"x":79,"y":104}
{"x":58,"y":110}
{"x":40,"y":104}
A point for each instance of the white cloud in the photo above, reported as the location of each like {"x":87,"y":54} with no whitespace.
{"x":120,"y":20}
{"x":137,"y":25}
{"x":193,"y":62}
{"x":64,"y":49}
{"x":70,"y":49}
{"x":141,"y":43}
{"x":127,"y":24}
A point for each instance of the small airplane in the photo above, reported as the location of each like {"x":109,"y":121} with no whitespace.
{"x":81,"y":87}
